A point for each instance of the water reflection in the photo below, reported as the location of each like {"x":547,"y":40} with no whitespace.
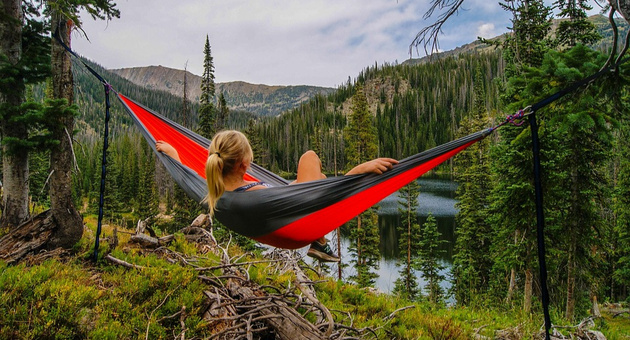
{"x":437,"y":196}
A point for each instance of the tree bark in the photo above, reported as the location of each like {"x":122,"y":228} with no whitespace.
{"x":70,"y":224}
{"x":529,"y":283}
{"x":512,"y":286}
{"x":15,"y":164}
{"x":28,"y":237}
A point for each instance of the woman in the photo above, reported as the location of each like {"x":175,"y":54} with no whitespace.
{"x":229,"y":157}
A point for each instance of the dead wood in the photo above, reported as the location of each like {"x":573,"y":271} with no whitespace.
{"x":202,"y":221}
{"x":236,"y":307}
{"x":145,"y":240}
{"x":119,"y":262}
{"x":287,"y":322}
{"x":391,"y":315}
{"x":580,"y":331}
{"x":29,"y":237}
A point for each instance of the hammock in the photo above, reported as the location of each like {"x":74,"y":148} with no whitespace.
{"x":284,"y":216}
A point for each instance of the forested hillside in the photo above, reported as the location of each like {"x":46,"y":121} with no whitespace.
{"x":416,"y":107}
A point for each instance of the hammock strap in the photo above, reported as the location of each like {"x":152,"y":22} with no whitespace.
{"x":101,"y":201}
{"x":540,"y":224}
{"x":107,"y":88}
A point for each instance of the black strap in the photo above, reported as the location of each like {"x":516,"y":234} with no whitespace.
{"x":540,"y":225}
{"x":107,"y":89}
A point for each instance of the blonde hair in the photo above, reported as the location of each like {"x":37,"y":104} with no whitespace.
{"x":228,"y":149}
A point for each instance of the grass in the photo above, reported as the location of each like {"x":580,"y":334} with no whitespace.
{"x":74,"y":298}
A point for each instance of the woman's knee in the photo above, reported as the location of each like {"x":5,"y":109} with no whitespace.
{"x":310,"y":157}
{"x":309,"y":167}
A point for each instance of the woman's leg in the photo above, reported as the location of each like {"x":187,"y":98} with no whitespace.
{"x":309,"y":168}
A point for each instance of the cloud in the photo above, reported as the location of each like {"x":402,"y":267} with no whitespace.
{"x":316,"y":42}
{"x":486,"y":30}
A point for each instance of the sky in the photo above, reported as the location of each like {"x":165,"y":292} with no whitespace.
{"x":276,"y":42}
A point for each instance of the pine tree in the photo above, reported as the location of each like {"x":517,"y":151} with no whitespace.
{"x":207,"y":110}
{"x":365,"y":237}
{"x":429,"y":260}
{"x":512,"y":163}
{"x":409,"y":241}
{"x":577,"y":29}
{"x":472,"y":261}
{"x":621,"y":233}
{"x":222,"y":113}
{"x":64,"y":16}
{"x":360,"y":134}
{"x":582,"y":129}
{"x":147,"y":196}
{"x":360,"y":137}
{"x":260,"y":154}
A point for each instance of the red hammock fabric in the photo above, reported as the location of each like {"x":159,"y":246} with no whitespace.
{"x":190,"y":153}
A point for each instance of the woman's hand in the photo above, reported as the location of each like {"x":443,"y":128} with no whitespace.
{"x":168,"y":149}
{"x":377,"y":166}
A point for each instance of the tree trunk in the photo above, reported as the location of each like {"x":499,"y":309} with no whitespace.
{"x":359,"y":257}
{"x":595,"y":312}
{"x":529,"y":283}
{"x":15,"y":164}
{"x":512,"y":286}
{"x":570,"y":307}
{"x":70,"y":224}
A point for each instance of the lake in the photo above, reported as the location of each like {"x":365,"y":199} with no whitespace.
{"x":438,"y":197}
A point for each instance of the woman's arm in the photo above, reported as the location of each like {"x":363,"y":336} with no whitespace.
{"x":377,"y":166}
{"x":168,"y":149}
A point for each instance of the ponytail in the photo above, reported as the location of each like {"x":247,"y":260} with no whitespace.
{"x":214,"y":178}
{"x":227,"y":150}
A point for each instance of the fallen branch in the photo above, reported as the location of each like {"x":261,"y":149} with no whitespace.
{"x":391,"y":315}
{"x":114,"y":260}
{"x":240,"y":264}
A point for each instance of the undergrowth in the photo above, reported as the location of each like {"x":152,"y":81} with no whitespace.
{"x":75,"y":298}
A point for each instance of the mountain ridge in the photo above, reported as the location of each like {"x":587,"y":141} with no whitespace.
{"x":261,"y":99}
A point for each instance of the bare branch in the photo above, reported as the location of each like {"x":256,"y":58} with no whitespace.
{"x":112,"y":259}
{"x":391,"y":315}
{"x":428,"y":36}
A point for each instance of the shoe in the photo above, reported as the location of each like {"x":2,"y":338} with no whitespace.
{"x":322,"y":252}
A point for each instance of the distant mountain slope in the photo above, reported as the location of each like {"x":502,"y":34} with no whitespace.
{"x":602,"y":25}
{"x":263,"y":100}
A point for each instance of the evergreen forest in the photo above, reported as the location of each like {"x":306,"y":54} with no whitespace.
{"x":405,"y":109}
